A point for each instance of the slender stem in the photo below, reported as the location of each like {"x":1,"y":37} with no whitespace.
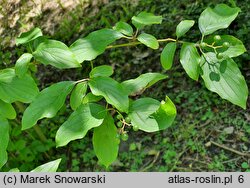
{"x":40,"y":134}
{"x":82,"y":80}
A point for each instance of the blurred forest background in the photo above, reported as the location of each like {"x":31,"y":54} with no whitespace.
{"x":202,"y":115}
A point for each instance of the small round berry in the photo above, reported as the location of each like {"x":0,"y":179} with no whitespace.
{"x":135,"y":127}
{"x":203,"y":44}
{"x":124,"y":136}
{"x":219,"y":56}
{"x":226,"y":44}
{"x":118,"y":136}
{"x":217,"y":38}
{"x":119,"y":116}
{"x":119,"y":124}
{"x":128,"y":120}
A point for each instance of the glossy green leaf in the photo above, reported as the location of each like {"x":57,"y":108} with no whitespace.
{"x":145,"y":18}
{"x":103,"y":70}
{"x":190,"y":59}
{"x":48,"y":167}
{"x":217,"y":18}
{"x":46,"y":105}
{"x":111,"y":90}
{"x":4,"y":135}
{"x":167,"y":55}
{"x":13,"y":88}
{"x":123,"y":28}
{"x":94,"y":44}
{"x":57,"y":54}
{"x":229,"y":84}
{"x":7,"y":110}
{"x":148,"y":40}
{"x":235,"y":49}
{"x":183,"y":27}
{"x":90,"y":97}
{"x":144,"y":81}
{"x":105,"y":142}
{"x":78,"y":94}
{"x":29,"y":36}
{"x":86,"y":117}
{"x":22,"y":64}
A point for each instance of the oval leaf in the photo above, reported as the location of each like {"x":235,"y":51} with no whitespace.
{"x":190,"y":59}
{"x":77,"y":95}
{"x":145,"y":18}
{"x":167,"y":55}
{"x":4,"y":135}
{"x":48,"y":167}
{"x":22,"y":64}
{"x":123,"y":28}
{"x":7,"y":110}
{"x":184,"y":27}
{"x":86,"y":117}
{"x":29,"y":36}
{"x":46,"y":105}
{"x":103,"y":70}
{"x":149,"y":40}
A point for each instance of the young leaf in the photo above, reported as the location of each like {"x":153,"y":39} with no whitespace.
{"x":46,"y":105}
{"x":7,"y":110}
{"x":77,"y":95}
{"x":184,"y":27}
{"x":105,"y":142}
{"x":217,"y":18}
{"x":103,"y":70}
{"x":14,"y":89}
{"x":167,"y":55}
{"x":145,"y":18}
{"x":86,"y":117}
{"x":142,"y":82}
{"x":190,"y":59}
{"x":48,"y":167}
{"x":230,"y":84}
{"x":90,"y":97}
{"x":29,"y":36}
{"x":123,"y":28}
{"x":94,"y":44}
{"x":4,"y":135}
{"x":57,"y":54}
{"x":22,"y":64}
{"x":149,"y":40}
{"x":112,"y":91}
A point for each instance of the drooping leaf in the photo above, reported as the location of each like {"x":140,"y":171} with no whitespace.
{"x":167,"y":55}
{"x":86,"y":117}
{"x":94,"y":44}
{"x":230,"y":84}
{"x":7,"y":110}
{"x":57,"y":54}
{"x":235,"y":49}
{"x":123,"y":28}
{"x":217,"y":18}
{"x":183,"y":27}
{"x":111,"y":90}
{"x":149,"y":40}
{"x":13,"y":88}
{"x":22,"y":64}
{"x":48,"y":167}
{"x":103,"y":70}
{"x":105,"y":142}
{"x":78,"y":94}
{"x":29,"y":36}
{"x":190,"y":59}
{"x":90,"y":97}
{"x":46,"y":105}
{"x":4,"y":135}
{"x":145,"y":18}
{"x":142,"y":82}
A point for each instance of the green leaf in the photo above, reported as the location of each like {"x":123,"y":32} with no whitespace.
{"x":86,"y":117}
{"x":94,"y":44}
{"x":149,"y":40}
{"x":105,"y":142}
{"x":22,"y":64}
{"x":7,"y":110}
{"x":235,"y":49}
{"x":167,"y":55}
{"x":123,"y":28}
{"x":183,"y":27}
{"x":46,"y":105}
{"x":231,"y":85}
{"x":190,"y":59}
{"x":14,"y":170}
{"x":144,"y":81}
{"x":90,"y":97}
{"x":14,"y":89}
{"x":77,"y":95}
{"x":111,"y":90}
{"x":29,"y":36}
{"x":57,"y":54}
{"x":217,"y":18}
{"x":145,"y":18}
{"x":48,"y":167}
{"x":4,"y":135}
{"x":103,"y":70}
